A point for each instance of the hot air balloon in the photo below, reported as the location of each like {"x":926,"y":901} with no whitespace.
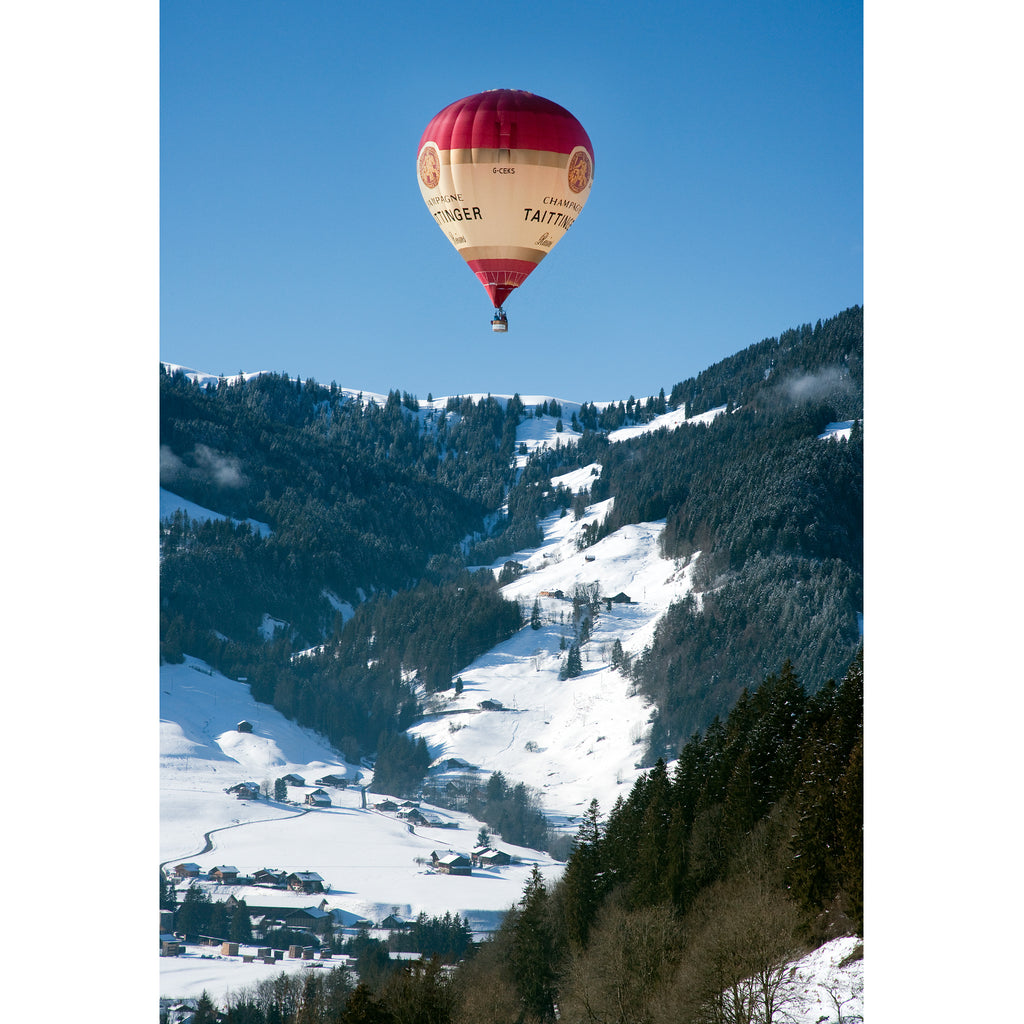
{"x":504,"y":173}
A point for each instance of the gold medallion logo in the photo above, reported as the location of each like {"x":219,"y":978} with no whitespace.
{"x":430,"y":167}
{"x":580,"y":170}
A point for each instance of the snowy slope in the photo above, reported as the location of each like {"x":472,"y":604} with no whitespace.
{"x":570,"y":740}
{"x":170,"y":503}
{"x":370,"y":857}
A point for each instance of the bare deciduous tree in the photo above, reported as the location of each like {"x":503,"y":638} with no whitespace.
{"x":630,"y":956}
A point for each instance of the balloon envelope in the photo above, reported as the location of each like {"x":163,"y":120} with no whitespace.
{"x":504,"y":173}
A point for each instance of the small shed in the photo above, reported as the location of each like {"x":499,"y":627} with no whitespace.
{"x":244,"y":726}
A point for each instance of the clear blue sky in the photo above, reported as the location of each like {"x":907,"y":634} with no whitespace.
{"x":727,"y":200}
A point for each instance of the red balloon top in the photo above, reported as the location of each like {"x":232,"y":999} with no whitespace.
{"x":506,"y":119}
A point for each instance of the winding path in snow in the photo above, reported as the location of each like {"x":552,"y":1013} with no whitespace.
{"x":223,"y":828}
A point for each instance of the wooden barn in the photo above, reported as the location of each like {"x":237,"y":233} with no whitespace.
{"x":305,"y":881}
{"x":451,"y":864}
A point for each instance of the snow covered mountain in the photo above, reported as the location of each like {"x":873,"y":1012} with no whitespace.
{"x":571,"y":740}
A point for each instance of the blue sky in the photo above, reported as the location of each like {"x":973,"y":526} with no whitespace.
{"x":727,"y":200}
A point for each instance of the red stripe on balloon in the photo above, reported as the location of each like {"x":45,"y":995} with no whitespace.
{"x":501,"y":277}
{"x":506,"y":119}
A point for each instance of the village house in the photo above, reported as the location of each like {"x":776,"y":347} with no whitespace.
{"x":318,"y":798}
{"x":386,"y":805}
{"x":491,"y":705}
{"x":266,"y":876}
{"x":310,"y":919}
{"x":414,"y":816}
{"x":245,"y":790}
{"x":451,"y":863}
{"x":226,"y":874}
{"x":305,"y":881}
{"x":294,"y":780}
{"x":488,"y":857}
{"x":187,"y":870}
{"x":337,"y":781}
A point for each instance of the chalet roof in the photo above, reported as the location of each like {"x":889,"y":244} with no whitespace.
{"x":305,"y":876}
{"x":494,"y":855}
{"x":452,"y":859}
{"x":313,"y":913}
{"x":224,"y":869}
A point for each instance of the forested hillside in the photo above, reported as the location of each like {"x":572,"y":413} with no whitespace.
{"x":689,"y":900}
{"x":370,"y":504}
{"x":774,"y":511}
{"x":688,"y":903}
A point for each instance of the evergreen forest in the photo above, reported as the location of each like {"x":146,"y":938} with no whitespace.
{"x":385,"y":508}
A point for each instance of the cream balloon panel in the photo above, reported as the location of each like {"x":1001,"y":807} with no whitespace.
{"x":500,"y":203}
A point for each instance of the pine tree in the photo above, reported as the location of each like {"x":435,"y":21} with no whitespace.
{"x":535,"y":622}
{"x":240,"y":928}
{"x":206,"y":1012}
{"x":168,"y":899}
{"x":533,"y":952}
{"x":573,"y":663}
{"x":363,"y":1008}
{"x":194,"y":913}
{"x":586,"y":881}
